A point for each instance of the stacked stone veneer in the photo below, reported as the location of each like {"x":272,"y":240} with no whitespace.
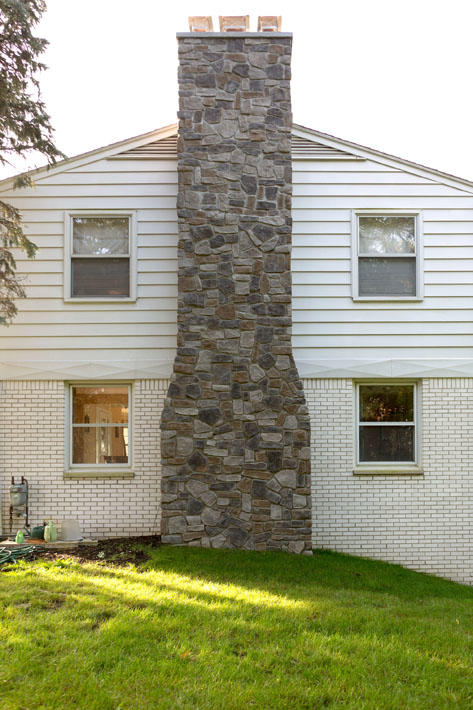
{"x":235,"y":427}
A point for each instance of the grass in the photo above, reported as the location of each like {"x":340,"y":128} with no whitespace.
{"x":216,"y":629}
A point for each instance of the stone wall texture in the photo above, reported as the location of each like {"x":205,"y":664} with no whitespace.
{"x":235,"y":426}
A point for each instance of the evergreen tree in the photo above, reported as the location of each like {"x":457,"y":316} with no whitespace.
{"x":24,"y":126}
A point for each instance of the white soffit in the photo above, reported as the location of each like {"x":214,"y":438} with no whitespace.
{"x":86,"y":370}
{"x":308,"y":369}
{"x":400,"y":368}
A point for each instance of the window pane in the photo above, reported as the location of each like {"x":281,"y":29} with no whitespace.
{"x":100,"y":277}
{"x":386,"y":443}
{"x":386,"y":403}
{"x":100,"y":235}
{"x":387,"y":235}
{"x":105,"y":404}
{"x":387,"y":277}
{"x":100,"y":445}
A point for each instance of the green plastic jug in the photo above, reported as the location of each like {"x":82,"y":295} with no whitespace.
{"x":50,"y":532}
{"x":38,"y":532}
{"x":20,"y":537}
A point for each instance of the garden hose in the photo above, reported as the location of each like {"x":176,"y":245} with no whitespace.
{"x":8,"y":556}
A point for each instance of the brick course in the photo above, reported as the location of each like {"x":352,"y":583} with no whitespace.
{"x":32,"y":444}
{"x":424,"y":523}
{"x":421,"y":522}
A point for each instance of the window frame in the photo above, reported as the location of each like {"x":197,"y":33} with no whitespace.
{"x":103,"y":470}
{"x":68,"y":255}
{"x":389,"y":467}
{"x":419,"y":255}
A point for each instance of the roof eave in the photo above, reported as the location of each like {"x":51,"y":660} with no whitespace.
{"x":329,"y":140}
{"x":92,"y":155}
{"x":385,"y":158}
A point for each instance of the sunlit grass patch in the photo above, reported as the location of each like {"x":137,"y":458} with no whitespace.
{"x":218,"y":629}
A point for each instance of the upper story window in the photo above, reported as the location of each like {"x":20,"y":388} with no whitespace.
{"x":387,"y":259}
{"x":100,"y":263}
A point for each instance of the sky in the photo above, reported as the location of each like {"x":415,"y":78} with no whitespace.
{"x":395,"y":75}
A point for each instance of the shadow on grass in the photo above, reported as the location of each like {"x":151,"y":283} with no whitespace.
{"x":324,"y":572}
{"x":236,"y":620}
{"x":295,"y":577}
{"x":332,"y":594}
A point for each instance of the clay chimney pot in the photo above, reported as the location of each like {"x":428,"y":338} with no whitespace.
{"x":234,"y":23}
{"x":200,"y":23}
{"x":269,"y":23}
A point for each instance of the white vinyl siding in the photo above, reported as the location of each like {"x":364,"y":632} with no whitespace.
{"x":106,"y":339}
{"x":332,"y":335}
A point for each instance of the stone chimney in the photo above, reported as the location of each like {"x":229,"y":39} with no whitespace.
{"x":235,"y":427}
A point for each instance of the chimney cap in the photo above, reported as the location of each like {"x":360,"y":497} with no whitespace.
{"x":200,"y":23}
{"x":234,"y":23}
{"x":269,"y":23}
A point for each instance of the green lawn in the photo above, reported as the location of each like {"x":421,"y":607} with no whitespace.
{"x":215,"y":629}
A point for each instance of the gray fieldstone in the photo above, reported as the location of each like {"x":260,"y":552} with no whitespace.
{"x":176,"y":524}
{"x":196,"y":488}
{"x":235,"y":428}
{"x":276,"y":512}
{"x":209,"y":498}
{"x":287,"y":479}
{"x":184,"y":446}
{"x":210,"y":516}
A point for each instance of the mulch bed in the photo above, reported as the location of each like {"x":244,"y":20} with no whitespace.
{"x":118,"y":551}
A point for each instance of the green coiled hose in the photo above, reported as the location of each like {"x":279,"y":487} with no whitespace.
{"x":8,"y":556}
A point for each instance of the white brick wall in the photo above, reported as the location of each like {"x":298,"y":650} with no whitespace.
{"x":32,"y":444}
{"x":422,"y":522}
{"x":425,"y":523}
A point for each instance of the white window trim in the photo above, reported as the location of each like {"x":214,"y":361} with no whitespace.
{"x":390,"y":467}
{"x":419,"y":229}
{"x":68,"y":217}
{"x":75,"y":470}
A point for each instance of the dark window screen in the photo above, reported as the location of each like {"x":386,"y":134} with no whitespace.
{"x":395,"y":276}
{"x":386,"y":443}
{"x":101,"y":277}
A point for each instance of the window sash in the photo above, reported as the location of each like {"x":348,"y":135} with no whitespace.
{"x":387,"y":278}
{"x":413,"y":217}
{"x":357,"y":254}
{"x":75,"y":253}
{"x":70,"y":256}
{"x":88,"y":280}
{"x":97,"y":425}
{"x":384,"y":446}
{"x":366,"y":255}
{"x":100,"y":256}
{"x":388,"y":255}
{"x":413,"y":424}
{"x":374,"y":423}
{"x":110,"y":424}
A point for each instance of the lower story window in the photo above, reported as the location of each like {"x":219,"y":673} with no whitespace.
{"x":100,"y":432}
{"x":386,"y":423}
